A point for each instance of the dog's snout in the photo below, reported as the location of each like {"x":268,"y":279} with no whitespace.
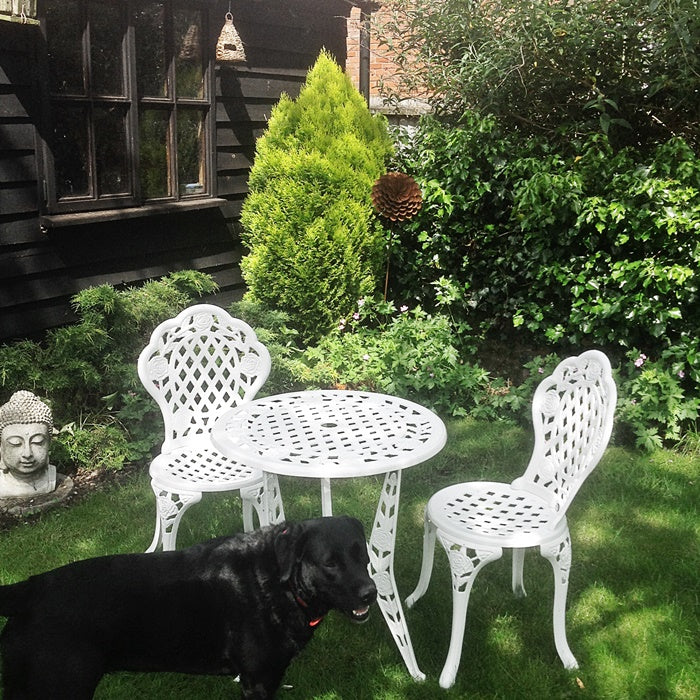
{"x":369,"y":593}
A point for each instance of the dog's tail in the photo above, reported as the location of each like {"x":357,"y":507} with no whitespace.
{"x":14,"y":599}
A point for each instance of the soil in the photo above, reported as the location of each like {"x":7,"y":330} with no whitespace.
{"x":85,"y":482}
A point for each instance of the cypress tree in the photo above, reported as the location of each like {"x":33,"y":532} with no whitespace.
{"x":315,"y":245}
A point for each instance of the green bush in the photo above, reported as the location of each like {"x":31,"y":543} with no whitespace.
{"x":565,"y":249}
{"x":404,"y":352}
{"x":87,"y":371}
{"x":315,"y":245}
{"x":96,"y":446}
{"x":656,"y":404}
{"x":626,"y":68}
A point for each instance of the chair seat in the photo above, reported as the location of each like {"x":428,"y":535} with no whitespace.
{"x":201,"y":469}
{"x":495,"y":513}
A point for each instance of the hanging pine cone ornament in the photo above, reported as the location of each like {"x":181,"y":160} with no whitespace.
{"x":396,"y":196}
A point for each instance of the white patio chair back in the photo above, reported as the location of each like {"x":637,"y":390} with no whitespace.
{"x":199,"y":364}
{"x":196,"y":366}
{"x":572,"y":413}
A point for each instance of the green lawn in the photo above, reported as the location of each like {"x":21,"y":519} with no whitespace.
{"x":632,"y":619}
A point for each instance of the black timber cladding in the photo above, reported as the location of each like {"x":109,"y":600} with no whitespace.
{"x":41,"y":270}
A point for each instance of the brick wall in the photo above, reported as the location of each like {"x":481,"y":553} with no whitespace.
{"x":382,"y":65}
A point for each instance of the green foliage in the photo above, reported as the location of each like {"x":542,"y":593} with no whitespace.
{"x":580,"y":247}
{"x":466,"y":202}
{"x":315,"y":245}
{"x":87,"y":371}
{"x":626,"y":68}
{"x":655,"y":402}
{"x":96,"y":446}
{"x":404,"y":352}
{"x":627,"y":248}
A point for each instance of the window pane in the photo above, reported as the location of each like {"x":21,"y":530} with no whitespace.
{"x":71,"y":151}
{"x":190,"y":151}
{"x":151,"y":63}
{"x":64,"y":30}
{"x":155,"y":161}
{"x":189,"y":72}
{"x":106,"y":32}
{"x":111,"y":151}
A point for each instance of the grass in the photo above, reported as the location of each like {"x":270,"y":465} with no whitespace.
{"x":632,"y":617}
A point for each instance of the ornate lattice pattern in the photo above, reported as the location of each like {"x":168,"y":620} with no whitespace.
{"x":196,"y":366}
{"x":343,"y":433}
{"x":466,"y":562}
{"x":204,"y":469}
{"x":573,"y":416}
{"x":494,"y":509}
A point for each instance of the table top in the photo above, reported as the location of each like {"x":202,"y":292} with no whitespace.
{"x":329,"y":433}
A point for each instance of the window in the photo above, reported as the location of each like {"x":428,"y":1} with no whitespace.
{"x":129,"y":103}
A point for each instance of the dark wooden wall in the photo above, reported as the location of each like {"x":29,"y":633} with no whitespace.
{"x":41,"y":270}
{"x":19,"y":203}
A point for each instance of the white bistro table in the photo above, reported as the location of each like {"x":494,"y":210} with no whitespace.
{"x":332,"y":434}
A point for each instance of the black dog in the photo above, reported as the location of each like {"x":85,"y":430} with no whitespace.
{"x":242,"y":605}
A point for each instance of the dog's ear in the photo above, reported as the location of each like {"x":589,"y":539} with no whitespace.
{"x":356,"y":525}
{"x":289,"y":546}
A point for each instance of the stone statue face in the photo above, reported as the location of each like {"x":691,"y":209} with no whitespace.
{"x":24,"y":449}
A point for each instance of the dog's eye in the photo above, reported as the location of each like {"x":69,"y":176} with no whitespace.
{"x":330,"y":564}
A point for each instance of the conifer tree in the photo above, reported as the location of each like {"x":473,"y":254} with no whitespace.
{"x":315,"y":245}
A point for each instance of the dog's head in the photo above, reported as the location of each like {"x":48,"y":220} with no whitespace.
{"x":324,"y":561}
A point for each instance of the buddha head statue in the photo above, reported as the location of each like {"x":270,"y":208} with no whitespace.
{"x":26,"y":424}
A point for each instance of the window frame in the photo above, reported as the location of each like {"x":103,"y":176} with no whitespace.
{"x":133,"y":199}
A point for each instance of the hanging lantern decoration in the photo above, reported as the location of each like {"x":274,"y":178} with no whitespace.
{"x":229,"y":47}
{"x":397,"y":197}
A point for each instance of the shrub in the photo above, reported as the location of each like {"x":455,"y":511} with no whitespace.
{"x":588,"y":246}
{"x":656,"y":404}
{"x":577,"y":248}
{"x":87,"y":371}
{"x":315,"y":245}
{"x":96,"y":446}
{"x":405,"y":352}
{"x":627,"y":68}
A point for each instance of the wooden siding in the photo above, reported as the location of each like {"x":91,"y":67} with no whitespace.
{"x":41,"y":270}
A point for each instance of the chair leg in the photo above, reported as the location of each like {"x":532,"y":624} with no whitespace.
{"x":518,"y":564}
{"x":275,"y":507}
{"x":156,"y":535}
{"x":559,"y":556}
{"x":266,"y":499}
{"x":170,"y":507}
{"x":465,"y":564}
{"x":252,"y":499}
{"x":426,"y":570}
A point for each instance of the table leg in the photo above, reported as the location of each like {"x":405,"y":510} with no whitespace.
{"x":381,"y":561}
{"x":326,"y":499}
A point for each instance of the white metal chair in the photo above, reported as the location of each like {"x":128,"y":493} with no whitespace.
{"x":196,"y":366}
{"x":572,"y":413}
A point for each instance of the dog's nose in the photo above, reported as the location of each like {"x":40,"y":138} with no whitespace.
{"x":369,"y":593}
